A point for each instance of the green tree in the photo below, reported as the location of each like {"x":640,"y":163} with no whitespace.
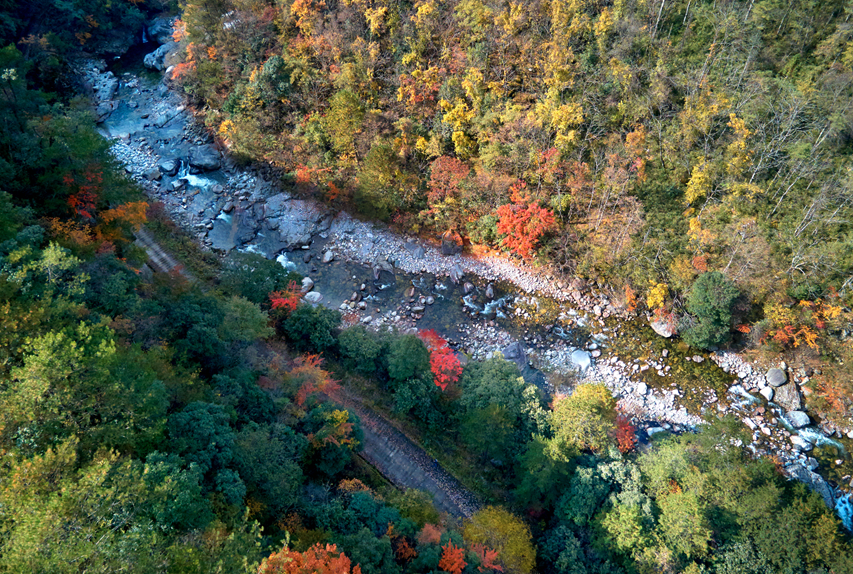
{"x":312,"y":329}
{"x":711,"y":300}
{"x":267,"y":458}
{"x":583,"y":421}
{"x":201,"y":433}
{"x":408,"y":358}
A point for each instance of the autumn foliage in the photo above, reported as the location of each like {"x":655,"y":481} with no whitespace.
{"x":523,"y":222}
{"x":452,"y":559}
{"x":625,"y":434}
{"x":443,"y":362}
{"x":307,"y":371}
{"x":487,"y":558}
{"x":286,"y":300}
{"x":318,"y":559}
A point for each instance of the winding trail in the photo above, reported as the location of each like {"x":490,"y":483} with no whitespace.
{"x":405,"y":464}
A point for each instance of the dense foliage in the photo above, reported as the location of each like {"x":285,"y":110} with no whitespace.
{"x":153,"y":424}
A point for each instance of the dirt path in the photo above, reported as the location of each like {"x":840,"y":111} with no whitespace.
{"x":404,"y":463}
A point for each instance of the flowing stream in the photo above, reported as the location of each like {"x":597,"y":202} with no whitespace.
{"x":662,"y":382}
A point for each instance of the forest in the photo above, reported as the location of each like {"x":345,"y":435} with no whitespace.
{"x":639,"y":144}
{"x":154,"y":423}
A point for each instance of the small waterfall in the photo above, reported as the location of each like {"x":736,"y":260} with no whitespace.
{"x":495,"y":307}
{"x":467,"y":299}
{"x":144,"y":35}
{"x":817,"y":438}
{"x":285,"y":262}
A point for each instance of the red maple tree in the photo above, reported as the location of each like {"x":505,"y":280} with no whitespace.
{"x":286,"y":300}
{"x":626,"y":434}
{"x":523,"y":222}
{"x":443,"y":363}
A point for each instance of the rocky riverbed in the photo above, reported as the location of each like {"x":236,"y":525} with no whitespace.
{"x":482,"y":305}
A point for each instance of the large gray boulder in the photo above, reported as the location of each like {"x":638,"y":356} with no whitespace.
{"x":788,"y":397}
{"x":205,"y":158}
{"x":516,"y":354}
{"x":814,"y":481}
{"x":797,"y":419}
{"x":169,"y":167}
{"x":156,"y":60}
{"x":416,"y":250}
{"x":160,"y":29}
{"x":295,"y":220}
{"x":776,"y":377}
{"x":581,"y":359}
{"x":663,"y":328}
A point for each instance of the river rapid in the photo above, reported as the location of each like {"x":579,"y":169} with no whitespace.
{"x":558,"y":330}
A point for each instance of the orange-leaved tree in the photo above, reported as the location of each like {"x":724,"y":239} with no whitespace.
{"x":452,"y":559}
{"x":311,"y":377}
{"x":288,"y":299}
{"x":487,"y":558}
{"x":523,"y":222}
{"x":444,"y":364}
{"x":318,"y":559}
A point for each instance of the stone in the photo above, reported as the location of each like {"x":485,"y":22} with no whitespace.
{"x":750,"y":423}
{"x":663,"y":328}
{"x":416,"y":250}
{"x":698,"y":358}
{"x":642,"y":389}
{"x":814,"y":481}
{"x":156,"y":60}
{"x":430,"y":300}
{"x":767,"y":393}
{"x":381,"y":265}
{"x":797,"y":419}
{"x":169,"y":167}
{"x":307,"y":284}
{"x":159,"y":29}
{"x":362,"y":305}
{"x":468,"y":287}
{"x":788,"y":397}
{"x":451,"y":243}
{"x":223,"y":234}
{"x":581,"y":359}
{"x":313,"y":297}
{"x":153,"y":175}
{"x":516,"y":353}
{"x":205,"y":158}
{"x":417,"y":309}
{"x":367,"y":319}
{"x":328,"y":256}
{"x":456,"y":273}
{"x":295,"y":220}
{"x":776,"y":377}
{"x":103,"y":111}
{"x":652,"y":431}
{"x":490,"y":291}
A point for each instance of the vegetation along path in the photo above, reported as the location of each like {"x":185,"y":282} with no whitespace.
{"x":404,"y":463}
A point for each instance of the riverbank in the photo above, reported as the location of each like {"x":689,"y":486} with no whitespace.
{"x":562,"y":326}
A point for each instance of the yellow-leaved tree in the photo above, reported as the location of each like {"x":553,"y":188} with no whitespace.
{"x":501,"y":530}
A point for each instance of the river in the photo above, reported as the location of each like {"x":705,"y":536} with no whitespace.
{"x":566,"y":330}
